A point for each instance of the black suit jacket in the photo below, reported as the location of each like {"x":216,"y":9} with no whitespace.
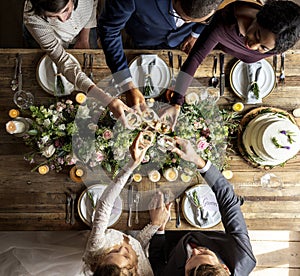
{"x":232,"y":246}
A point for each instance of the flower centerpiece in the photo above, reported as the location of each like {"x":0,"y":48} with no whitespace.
{"x":64,"y":133}
{"x":50,"y":136}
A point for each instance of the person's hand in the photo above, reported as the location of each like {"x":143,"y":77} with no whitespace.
{"x":188,"y":44}
{"x":118,"y":108}
{"x":159,"y":211}
{"x":139,"y":148}
{"x":134,"y":97}
{"x":170,"y":113}
{"x":188,"y":153}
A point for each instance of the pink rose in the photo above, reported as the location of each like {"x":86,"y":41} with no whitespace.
{"x":107,"y":134}
{"x":202,"y":145}
{"x":99,"y":156}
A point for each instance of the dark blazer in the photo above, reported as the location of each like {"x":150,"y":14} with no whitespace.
{"x":147,"y":22}
{"x":232,"y":246}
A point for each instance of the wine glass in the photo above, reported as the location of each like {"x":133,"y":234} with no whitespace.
{"x":268,"y":181}
{"x":23,"y":99}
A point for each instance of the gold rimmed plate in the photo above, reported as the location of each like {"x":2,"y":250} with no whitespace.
{"x":239,"y":79}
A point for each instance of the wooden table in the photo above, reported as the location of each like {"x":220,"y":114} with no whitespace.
{"x":30,"y":201}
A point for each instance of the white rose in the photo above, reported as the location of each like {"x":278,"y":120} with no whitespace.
{"x":192,"y":98}
{"x":47,"y":123}
{"x":45,"y":139}
{"x":54,"y":118}
{"x":62,"y":127}
{"x":49,"y":151}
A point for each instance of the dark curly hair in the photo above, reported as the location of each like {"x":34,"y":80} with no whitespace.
{"x":39,"y":7}
{"x":209,"y":270}
{"x":199,"y":8}
{"x":283,"y":19}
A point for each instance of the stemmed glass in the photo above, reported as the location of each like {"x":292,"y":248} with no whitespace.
{"x":23,"y":99}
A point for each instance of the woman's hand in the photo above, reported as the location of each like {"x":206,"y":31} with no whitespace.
{"x":188,"y":153}
{"x":159,"y":211}
{"x":138,"y":149}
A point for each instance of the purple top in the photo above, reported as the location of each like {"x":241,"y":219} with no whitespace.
{"x":222,"y":33}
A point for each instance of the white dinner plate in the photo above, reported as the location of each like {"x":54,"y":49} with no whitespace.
{"x":160,"y":73}
{"x":85,"y":208}
{"x":208,"y":200}
{"x":239,"y":80}
{"x":46,"y":75}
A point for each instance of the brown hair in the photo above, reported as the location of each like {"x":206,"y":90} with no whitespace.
{"x":209,"y":270}
{"x":114,"y":270}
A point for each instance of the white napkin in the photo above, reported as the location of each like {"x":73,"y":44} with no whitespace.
{"x":68,"y":87}
{"x":251,"y":69}
{"x":145,"y":60}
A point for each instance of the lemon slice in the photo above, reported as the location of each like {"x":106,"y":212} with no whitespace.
{"x":227,"y":174}
{"x":137,"y":177}
{"x":238,"y":107}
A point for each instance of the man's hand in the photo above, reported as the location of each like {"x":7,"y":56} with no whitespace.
{"x":159,"y":212}
{"x":170,"y":113}
{"x":188,"y":44}
{"x":134,"y":97}
{"x":188,"y":153}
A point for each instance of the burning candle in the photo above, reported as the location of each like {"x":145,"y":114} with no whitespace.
{"x":154,"y":176}
{"x":43,"y":169}
{"x":15,"y":127}
{"x":80,"y":98}
{"x":13,"y":113}
{"x":171,"y":174}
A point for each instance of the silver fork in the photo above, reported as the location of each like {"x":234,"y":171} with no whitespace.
{"x":73,"y":197}
{"x":282,"y":75}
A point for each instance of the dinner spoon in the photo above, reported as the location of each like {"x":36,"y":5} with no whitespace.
{"x":14,"y":81}
{"x":214,"y":81}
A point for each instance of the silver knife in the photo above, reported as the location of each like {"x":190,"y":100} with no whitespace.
{"x":20,"y":83}
{"x":130,"y":204}
{"x":222,"y":75}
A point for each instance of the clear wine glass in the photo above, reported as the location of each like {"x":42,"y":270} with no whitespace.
{"x":23,"y":99}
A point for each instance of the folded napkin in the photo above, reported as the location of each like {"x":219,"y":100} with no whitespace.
{"x":253,"y":93}
{"x":150,"y":88}
{"x":62,"y":86}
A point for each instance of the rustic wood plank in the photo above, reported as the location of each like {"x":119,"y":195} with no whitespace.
{"x":39,"y":201}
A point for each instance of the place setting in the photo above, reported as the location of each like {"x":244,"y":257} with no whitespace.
{"x":51,"y":80}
